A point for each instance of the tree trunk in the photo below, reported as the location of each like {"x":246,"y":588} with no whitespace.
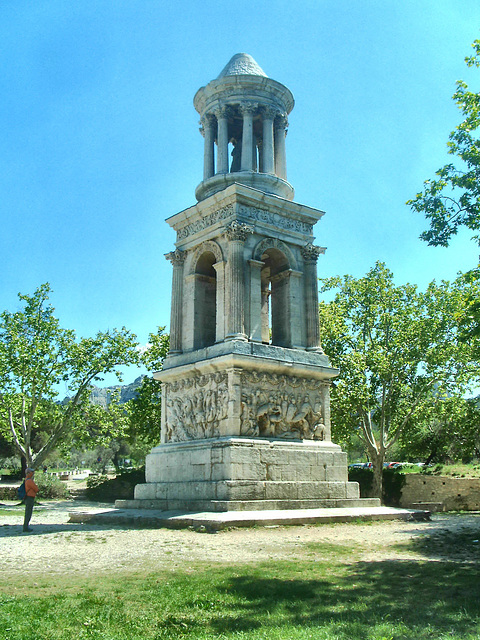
{"x":377,"y":467}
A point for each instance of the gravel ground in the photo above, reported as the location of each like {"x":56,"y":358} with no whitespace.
{"x":56,"y":546}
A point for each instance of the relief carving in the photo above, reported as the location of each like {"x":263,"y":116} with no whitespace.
{"x":195,"y":407}
{"x":203,"y":223}
{"x":278,"y":406}
{"x":263,"y":215}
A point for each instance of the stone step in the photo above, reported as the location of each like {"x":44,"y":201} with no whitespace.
{"x":245,"y":505}
{"x":204,"y":521}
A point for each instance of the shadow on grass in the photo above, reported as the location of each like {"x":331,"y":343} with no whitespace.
{"x":461,"y":544}
{"x":427,"y":600}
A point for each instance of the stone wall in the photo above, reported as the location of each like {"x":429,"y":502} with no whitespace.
{"x":441,"y":493}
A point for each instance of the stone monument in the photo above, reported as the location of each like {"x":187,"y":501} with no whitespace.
{"x":245,"y":386}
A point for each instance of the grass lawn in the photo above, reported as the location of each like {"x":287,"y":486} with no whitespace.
{"x":325,"y":592}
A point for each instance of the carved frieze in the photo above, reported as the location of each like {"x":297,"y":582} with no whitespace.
{"x":207,"y":221}
{"x":280,"y":406}
{"x":196,"y":406}
{"x":263,"y":215}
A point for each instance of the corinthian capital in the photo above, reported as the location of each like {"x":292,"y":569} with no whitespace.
{"x":238,"y":231}
{"x":269,"y":113}
{"x":248,"y":108}
{"x":176,"y":257}
{"x":310,"y":252}
{"x":281,"y":121}
{"x":208,"y":121}
{"x":223,"y":111}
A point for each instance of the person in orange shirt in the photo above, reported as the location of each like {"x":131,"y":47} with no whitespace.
{"x":31,"y":491}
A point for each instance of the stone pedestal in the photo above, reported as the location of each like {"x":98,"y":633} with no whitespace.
{"x":235,"y":474}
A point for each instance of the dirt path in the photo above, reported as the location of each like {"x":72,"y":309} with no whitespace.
{"x":57,"y":546}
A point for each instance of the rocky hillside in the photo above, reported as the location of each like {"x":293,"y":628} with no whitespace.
{"x":125,"y":392}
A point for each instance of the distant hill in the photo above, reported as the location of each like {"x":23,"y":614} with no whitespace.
{"x":126,"y":392}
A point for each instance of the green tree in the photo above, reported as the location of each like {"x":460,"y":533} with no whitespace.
{"x":145,"y":409}
{"x":393,"y":345}
{"x":37,"y":359}
{"x":452,"y":200}
{"x":446,"y":430}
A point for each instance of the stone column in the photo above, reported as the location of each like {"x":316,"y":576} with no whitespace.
{"x":255,"y":329}
{"x":247,"y":110}
{"x":281,"y":124}
{"x":236,"y":233}
{"x":177,"y":258}
{"x":268,"y":165}
{"x":220,"y":328}
{"x":222,"y":139}
{"x":265,"y":313}
{"x":310,"y":255}
{"x":208,"y":131}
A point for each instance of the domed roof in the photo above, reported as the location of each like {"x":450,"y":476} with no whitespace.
{"x":242,"y":64}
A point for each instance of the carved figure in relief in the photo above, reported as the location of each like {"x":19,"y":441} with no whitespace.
{"x":195,"y":407}
{"x":272,"y":408}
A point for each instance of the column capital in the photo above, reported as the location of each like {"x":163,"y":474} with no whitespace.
{"x":248,"y":108}
{"x":222,"y":111}
{"x":177,"y":257}
{"x":238,"y":231}
{"x":311,"y":252}
{"x":207,"y":121}
{"x":269,"y":112}
{"x":281,"y":120}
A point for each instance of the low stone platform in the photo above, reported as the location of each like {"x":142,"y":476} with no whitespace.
{"x":153,"y":519}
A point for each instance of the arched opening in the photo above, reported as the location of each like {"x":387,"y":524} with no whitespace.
{"x":275,"y":308}
{"x":205,"y":301}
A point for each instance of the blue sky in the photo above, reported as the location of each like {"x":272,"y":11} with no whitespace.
{"x":100,"y":139}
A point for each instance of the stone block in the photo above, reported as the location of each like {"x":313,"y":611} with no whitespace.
{"x":337,"y":474}
{"x":246,"y":471}
{"x":145,"y":492}
{"x":199,"y":472}
{"x":281,"y":490}
{"x":238,"y":490}
{"x":353,"y":490}
{"x":247,"y":454}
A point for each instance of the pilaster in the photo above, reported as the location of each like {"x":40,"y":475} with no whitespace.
{"x":177,"y":258}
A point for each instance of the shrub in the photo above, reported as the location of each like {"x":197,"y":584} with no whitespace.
{"x":104,"y":489}
{"x":51,"y":487}
{"x":393,"y":483}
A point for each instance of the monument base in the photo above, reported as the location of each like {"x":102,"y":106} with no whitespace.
{"x":243,"y":474}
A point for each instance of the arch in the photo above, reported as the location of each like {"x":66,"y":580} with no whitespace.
{"x":275,"y":243}
{"x":206,"y":247}
{"x":205,"y":295}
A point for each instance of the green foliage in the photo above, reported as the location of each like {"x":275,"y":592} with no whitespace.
{"x":398,"y":351}
{"x":452,"y":200}
{"x":36,"y":357}
{"x":50,"y":486}
{"x":145,"y":408}
{"x":392,"y":485}
{"x":103,"y":489}
{"x":447,"y":429}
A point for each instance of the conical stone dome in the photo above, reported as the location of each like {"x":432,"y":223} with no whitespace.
{"x":242,"y":64}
